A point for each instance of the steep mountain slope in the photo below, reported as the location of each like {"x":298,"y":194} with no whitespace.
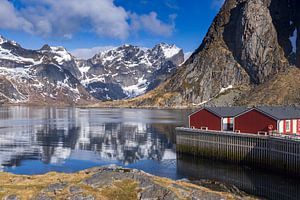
{"x":249,"y":43}
{"x":129,"y":71}
{"x":281,"y":89}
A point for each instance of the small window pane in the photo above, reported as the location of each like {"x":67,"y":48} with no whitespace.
{"x":287,"y":125}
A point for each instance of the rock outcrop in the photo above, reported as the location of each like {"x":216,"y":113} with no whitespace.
{"x":105,"y":183}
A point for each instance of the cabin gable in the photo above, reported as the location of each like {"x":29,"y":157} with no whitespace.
{"x":205,"y":119}
{"x":254,"y":121}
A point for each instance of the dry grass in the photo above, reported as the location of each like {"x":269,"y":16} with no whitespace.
{"x":28,"y":187}
{"x":126,"y":189}
{"x":157,"y":98}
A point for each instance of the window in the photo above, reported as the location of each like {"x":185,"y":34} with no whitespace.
{"x":288,"y":125}
{"x":228,"y":124}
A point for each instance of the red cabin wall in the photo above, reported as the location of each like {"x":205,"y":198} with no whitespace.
{"x":253,"y":122}
{"x":204,"y":118}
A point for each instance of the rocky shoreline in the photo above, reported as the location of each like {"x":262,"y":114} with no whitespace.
{"x":104,"y":183}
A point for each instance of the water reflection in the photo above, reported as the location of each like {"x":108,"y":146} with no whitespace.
{"x":53,"y":135}
{"x":35,"y":140}
{"x":253,"y":181}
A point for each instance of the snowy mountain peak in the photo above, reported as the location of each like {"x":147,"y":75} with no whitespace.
{"x":167,"y":50}
{"x":126,"y":46}
{"x":121,"y":72}
{"x":2,"y":39}
{"x":11,"y":42}
{"x":128,"y":71}
{"x":46,"y":47}
{"x":61,"y":55}
{"x":58,"y":49}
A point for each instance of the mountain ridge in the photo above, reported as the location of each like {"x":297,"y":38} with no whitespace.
{"x":51,"y":75}
{"x":130,"y":69}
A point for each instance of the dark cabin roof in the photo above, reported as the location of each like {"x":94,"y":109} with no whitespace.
{"x":225,"y":111}
{"x":281,"y":112}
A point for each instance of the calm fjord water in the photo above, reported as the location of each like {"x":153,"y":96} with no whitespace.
{"x":39,"y":140}
{"x":36,"y":140}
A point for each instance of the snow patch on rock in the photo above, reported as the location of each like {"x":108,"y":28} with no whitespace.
{"x":62,"y":55}
{"x":293,"y":40}
{"x":2,"y":40}
{"x":201,"y":103}
{"x":170,"y":50}
{"x":7,"y":55}
{"x":225,"y":89}
{"x":84,"y":69}
{"x":137,"y":89}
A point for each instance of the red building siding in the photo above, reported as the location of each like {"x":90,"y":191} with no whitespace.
{"x":204,"y":118}
{"x":253,"y":122}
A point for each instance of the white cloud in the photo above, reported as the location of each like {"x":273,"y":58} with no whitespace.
{"x":65,"y":18}
{"x":86,"y":53}
{"x":10,"y":19}
{"x":152,"y":24}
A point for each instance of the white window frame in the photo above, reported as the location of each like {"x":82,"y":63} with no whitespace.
{"x":288,"y":122}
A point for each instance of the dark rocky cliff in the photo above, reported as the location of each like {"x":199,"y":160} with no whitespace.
{"x":249,"y":43}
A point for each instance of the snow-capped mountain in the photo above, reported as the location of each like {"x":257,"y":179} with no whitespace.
{"x":53,"y":75}
{"x":129,"y":71}
{"x":38,"y":76}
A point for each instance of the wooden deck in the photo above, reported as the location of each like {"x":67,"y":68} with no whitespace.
{"x":274,"y":152}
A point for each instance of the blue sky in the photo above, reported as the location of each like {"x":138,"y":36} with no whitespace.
{"x":77,"y":24}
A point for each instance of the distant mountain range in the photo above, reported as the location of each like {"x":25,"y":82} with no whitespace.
{"x":52,"y":75}
{"x":128,"y":71}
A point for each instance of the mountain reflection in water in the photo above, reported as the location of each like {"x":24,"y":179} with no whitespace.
{"x":36,"y":140}
{"x":58,"y":135}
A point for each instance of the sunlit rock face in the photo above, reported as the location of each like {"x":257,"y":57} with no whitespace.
{"x":249,"y":43}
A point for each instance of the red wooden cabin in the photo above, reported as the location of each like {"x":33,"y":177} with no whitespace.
{"x":266,"y":119}
{"x":215,"y":118}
